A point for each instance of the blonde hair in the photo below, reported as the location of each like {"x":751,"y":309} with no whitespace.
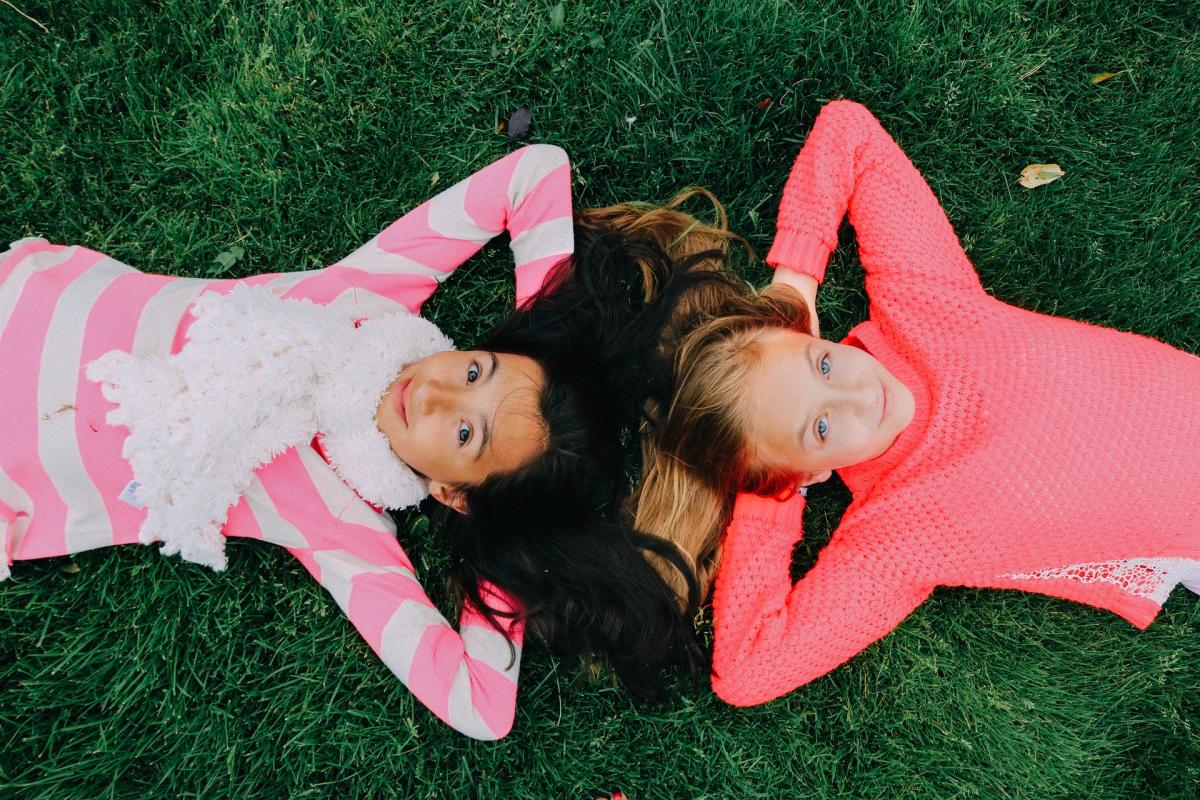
{"x":659,"y":506}
{"x":676,"y":232}
{"x":690,"y":243}
{"x":694,"y":452}
{"x":697,"y":457}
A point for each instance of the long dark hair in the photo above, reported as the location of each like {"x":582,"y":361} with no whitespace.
{"x":552,"y":533}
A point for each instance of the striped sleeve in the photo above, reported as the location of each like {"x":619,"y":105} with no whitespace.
{"x":526,"y":193}
{"x":57,"y":459}
{"x":467,"y":677}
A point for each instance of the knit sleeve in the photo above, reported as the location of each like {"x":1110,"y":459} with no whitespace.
{"x":526,"y":193}
{"x":466,"y":676}
{"x":849,"y":163}
{"x":771,"y":636}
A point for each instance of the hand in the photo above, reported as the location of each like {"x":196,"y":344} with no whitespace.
{"x":806,"y":286}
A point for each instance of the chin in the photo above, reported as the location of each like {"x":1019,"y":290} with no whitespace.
{"x":883,"y":448}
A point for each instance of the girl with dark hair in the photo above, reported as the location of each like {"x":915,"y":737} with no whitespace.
{"x":587,"y":580}
{"x":985,"y":445}
{"x":294,"y":407}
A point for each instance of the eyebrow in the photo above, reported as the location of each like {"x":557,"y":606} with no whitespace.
{"x":810,"y":353}
{"x":485,"y":435}
{"x":484,"y":438}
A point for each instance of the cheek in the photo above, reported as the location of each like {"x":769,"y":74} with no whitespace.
{"x":875,"y":441}
{"x":423,"y":449}
{"x":853,"y":438}
{"x":399,"y":444}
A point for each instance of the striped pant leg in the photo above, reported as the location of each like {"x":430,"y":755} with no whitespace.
{"x":8,"y":534}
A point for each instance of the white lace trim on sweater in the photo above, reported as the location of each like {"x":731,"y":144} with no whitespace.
{"x":1149,"y":578}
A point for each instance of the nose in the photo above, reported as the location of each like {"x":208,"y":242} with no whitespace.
{"x":433,"y":396}
{"x":858,"y":398}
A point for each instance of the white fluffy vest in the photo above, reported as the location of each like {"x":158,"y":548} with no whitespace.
{"x":257,"y":376}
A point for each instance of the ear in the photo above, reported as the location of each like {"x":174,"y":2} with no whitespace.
{"x":809,"y":478}
{"x":448,"y":495}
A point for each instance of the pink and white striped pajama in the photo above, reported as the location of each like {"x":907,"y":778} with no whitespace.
{"x":61,"y":470}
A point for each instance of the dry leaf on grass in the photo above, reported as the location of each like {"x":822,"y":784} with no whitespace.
{"x":519,"y":124}
{"x":1101,"y":77}
{"x":1039,"y":174}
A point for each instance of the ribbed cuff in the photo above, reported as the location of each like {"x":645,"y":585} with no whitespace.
{"x":533,"y":275}
{"x":786,"y":515}
{"x":799,"y":252}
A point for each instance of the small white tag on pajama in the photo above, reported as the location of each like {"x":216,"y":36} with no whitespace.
{"x":129,"y":495}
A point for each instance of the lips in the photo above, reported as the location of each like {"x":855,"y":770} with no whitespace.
{"x":400,"y":399}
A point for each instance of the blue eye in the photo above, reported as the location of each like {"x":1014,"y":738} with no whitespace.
{"x":823,"y":365}
{"x":822,"y":427}
{"x":472,"y":372}
{"x":464,"y":433}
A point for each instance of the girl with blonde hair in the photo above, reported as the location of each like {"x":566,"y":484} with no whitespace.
{"x":984,"y":445}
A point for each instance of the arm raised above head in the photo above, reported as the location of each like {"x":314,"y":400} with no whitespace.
{"x":770,"y":636}
{"x":466,"y":676}
{"x":849,"y":163}
{"x":527,"y":193}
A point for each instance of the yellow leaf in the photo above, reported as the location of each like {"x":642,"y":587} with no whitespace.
{"x":1040,"y":174}
{"x":70,"y":569}
{"x":1101,"y":77}
{"x":434,"y":178}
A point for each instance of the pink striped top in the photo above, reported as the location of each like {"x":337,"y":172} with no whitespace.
{"x":61,"y":470}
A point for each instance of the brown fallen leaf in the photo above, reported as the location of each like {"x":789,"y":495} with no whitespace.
{"x":1101,"y":77}
{"x":1040,"y":174}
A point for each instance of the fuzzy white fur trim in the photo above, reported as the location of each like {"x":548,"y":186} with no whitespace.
{"x":257,"y":376}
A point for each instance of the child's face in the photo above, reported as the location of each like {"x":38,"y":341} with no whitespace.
{"x":814,"y":406}
{"x":458,"y":417}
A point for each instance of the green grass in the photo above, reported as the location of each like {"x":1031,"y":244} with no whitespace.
{"x":164,"y":133}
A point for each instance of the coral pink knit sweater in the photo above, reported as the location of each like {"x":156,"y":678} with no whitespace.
{"x":1045,"y":454}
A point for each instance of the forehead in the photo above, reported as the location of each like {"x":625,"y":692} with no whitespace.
{"x":778,"y":357}
{"x":513,"y":372}
{"x":778,"y":342}
{"x":512,"y":401}
{"x":775,"y":392}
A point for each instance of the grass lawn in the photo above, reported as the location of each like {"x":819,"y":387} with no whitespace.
{"x":165,"y":133}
